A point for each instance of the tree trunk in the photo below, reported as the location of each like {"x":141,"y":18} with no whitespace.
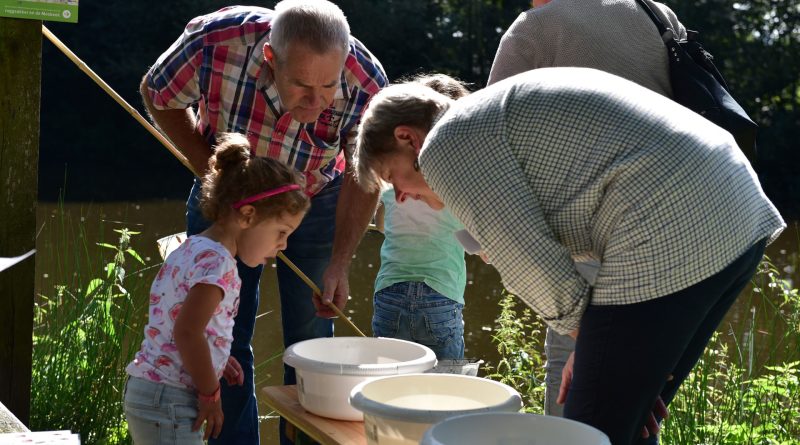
{"x":20,"y":91}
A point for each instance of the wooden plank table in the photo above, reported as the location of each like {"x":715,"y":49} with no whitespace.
{"x":283,"y":399}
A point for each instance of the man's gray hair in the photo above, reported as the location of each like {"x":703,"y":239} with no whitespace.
{"x":412,"y":104}
{"x":319,"y":24}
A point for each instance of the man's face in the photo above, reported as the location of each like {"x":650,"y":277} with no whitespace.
{"x":306,"y":80}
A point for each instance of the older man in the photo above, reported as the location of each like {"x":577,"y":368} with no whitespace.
{"x":558,"y":161}
{"x":295,"y":83}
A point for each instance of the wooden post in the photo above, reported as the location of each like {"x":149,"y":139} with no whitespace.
{"x":20,"y":91}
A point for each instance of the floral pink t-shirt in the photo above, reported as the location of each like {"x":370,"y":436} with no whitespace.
{"x":198,"y":260}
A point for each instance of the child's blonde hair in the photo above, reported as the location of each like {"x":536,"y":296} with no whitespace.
{"x":234,"y":174}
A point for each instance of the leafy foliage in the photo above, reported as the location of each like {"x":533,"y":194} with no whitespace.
{"x":521,"y":366}
{"x":82,"y":341}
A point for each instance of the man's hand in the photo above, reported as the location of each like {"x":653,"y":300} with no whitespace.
{"x":337,"y":289}
{"x":233,"y":373}
{"x":354,"y":209}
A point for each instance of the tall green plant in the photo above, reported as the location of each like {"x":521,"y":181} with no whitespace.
{"x":517,"y":337}
{"x":746,"y":390}
{"x":82,"y":342}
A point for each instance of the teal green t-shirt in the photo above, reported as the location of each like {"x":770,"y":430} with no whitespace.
{"x":420,"y":246}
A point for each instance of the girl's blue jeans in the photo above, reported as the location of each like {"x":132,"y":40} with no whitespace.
{"x":160,"y":414}
{"x":309,"y":247}
{"x":414,"y":311}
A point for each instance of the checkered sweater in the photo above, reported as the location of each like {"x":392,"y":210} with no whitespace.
{"x":557,"y":163}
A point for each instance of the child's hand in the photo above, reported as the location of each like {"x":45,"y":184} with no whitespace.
{"x":210,"y":413}
{"x":233,"y":373}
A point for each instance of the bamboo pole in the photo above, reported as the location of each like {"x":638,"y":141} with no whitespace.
{"x":316,"y":290}
{"x":132,"y":111}
{"x":172,"y":149}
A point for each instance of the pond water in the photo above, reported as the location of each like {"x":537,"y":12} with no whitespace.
{"x":157,"y":219}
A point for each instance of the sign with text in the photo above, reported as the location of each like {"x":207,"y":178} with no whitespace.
{"x":48,"y":10}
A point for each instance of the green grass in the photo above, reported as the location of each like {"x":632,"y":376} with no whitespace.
{"x":746,"y":388}
{"x":83,"y":336}
{"x":521,"y":365}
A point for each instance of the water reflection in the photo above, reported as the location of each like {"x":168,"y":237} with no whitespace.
{"x":160,"y":218}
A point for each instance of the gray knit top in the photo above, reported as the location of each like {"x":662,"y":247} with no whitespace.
{"x":616,"y":36}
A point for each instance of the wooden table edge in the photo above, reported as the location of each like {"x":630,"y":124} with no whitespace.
{"x":283,"y":399}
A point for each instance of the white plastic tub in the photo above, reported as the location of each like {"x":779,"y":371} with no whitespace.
{"x":398,"y":409}
{"x":512,"y":429}
{"x":328,"y":368}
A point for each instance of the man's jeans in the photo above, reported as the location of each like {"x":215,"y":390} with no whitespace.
{"x":414,"y":311}
{"x":557,"y":348}
{"x":309,"y":247}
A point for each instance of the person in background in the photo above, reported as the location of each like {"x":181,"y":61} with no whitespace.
{"x":174,"y":380}
{"x":617,"y":37}
{"x":295,"y":82}
{"x":419,"y":290}
{"x":557,"y":161}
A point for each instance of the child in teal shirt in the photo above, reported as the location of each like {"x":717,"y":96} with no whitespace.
{"x":419,"y":290}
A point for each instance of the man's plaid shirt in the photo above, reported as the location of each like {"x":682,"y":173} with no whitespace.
{"x":561,"y":163}
{"x":218,"y":65}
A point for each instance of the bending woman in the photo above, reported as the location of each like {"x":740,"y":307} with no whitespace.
{"x":551,"y":165}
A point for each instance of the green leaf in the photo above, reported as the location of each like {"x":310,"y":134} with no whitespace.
{"x":126,"y":232}
{"x":93,"y":285}
{"x":133,"y":253}
{"x":110,"y":268}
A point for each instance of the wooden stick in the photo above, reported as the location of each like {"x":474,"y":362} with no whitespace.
{"x":132,"y":111}
{"x":316,"y":290}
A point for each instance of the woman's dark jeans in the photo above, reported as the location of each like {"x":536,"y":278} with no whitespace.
{"x":625,"y":354}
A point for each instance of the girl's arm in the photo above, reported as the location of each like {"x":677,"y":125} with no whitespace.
{"x":190,"y":338}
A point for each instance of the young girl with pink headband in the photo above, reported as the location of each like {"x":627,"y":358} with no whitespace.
{"x":173,"y":388}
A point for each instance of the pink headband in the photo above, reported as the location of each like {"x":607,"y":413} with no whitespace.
{"x":266,"y":194}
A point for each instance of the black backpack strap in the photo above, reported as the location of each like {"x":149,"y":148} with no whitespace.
{"x":666,"y":33}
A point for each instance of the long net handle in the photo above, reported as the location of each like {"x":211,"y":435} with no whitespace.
{"x":132,"y":111}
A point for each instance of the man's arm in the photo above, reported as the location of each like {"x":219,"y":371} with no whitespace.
{"x":354,"y":211}
{"x":180,"y":127}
